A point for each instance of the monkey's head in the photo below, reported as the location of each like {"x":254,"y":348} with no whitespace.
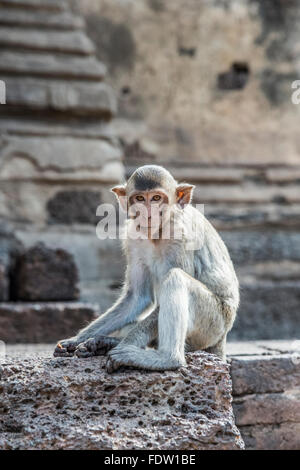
{"x":153,"y":189}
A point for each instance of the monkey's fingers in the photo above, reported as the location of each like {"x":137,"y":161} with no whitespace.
{"x":61,"y":352}
{"x":112,"y":366}
{"x":82,"y":351}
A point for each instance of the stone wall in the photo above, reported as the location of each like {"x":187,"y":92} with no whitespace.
{"x":266,"y":381}
{"x":58,"y":156}
{"x":202,"y":87}
{"x":205,"y":89}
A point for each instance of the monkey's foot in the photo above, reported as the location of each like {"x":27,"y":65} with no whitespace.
{"x":96,"y":346}
{"x":118,"y":357}
{"x":66,"y":347}
{"x":134,"y":357}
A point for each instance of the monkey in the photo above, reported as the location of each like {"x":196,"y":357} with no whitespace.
{"x":178,"y":296}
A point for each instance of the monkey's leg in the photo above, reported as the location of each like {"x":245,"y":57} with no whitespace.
{"x":144,"y":332}
{"x":188,"y":310}
{"x":141,"y":334}
{"x":173,"y":322}
{"x":219,"y":348}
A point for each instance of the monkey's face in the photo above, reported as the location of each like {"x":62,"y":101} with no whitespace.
{"x":149,"y":196}
{"x":149,"y":207}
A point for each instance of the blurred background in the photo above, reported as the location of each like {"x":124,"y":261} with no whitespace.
{"x":95,"y":88}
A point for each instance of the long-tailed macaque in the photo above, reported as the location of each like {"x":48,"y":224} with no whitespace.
{"x":183,"y":287}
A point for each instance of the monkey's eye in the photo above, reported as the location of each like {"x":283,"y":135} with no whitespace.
{"x":156,"y":198}
{"x":140,"y":198}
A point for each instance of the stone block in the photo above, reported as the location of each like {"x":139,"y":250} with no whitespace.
{"x":75,"y":404}
{"x":43,"y":274}
{"x":43,"y":322}
{"x":264,"y":374}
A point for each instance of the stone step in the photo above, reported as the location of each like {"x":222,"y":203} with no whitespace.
{"x":50,"y":65}
{"x":203,"y":174}
{"x":83,"y":407}
{"x":246,"y":193}
{"x":38,"y":19}
{"x":39,"y":158}
{"x":42,"y":322}
{"x":230,"y":174}
{"x":56,"y":5}
{"x":76,"y":97}
{"x":30,"y":126}
{"x":72,"y":42}
{"x":252,"y":216}
{"x":268,"y":310}
{"x":265,"y":389}
{"x":253,"y":247}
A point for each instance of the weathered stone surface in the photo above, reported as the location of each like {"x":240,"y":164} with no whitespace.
{"x":266,"y":396}
{"x":4,"y":283}
{"x":35,"y":18}
{"x":43,"y":322}
{"x":74,"y":42}
{"x":238,"y":349}
{"x":45,"y":153}
{"x":268,"y":310}
{"x":10,"y":249}
{"x":83,"y":98}
{"x":254,"y":216}
{"x":247,"y":193}
{"x":36,"y":4}
{"x":283,"y":436}
{"x":68,"y":207}
{"x":264,"y":374}
{"x":262,"y":246}
{"x":283,"y":175}
{"x":75,"y":404}
{"x":77,"y":128}
{"x":192,"y":120}
{"x":45,"y":274}
{"x":51,"y":65}
{"x":267,"y":407}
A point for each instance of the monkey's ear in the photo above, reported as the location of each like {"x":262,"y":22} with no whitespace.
{"x":184,"y":194}
{"x":120,"y":192}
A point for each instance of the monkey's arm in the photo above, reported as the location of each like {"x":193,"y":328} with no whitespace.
{"x":137,"y":296}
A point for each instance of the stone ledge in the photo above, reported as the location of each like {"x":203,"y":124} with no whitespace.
{"x":266,"y":386}
{"x":75,"y":97}
{"x":42,"y":322}
{"x":75,"y":404}
{"x":51,"y":65}
{"x":46,"y":5}
{"x":31,"y":18}
{"x":72,"y":42}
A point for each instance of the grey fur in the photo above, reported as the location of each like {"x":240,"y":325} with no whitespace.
{"x":187,"y":297}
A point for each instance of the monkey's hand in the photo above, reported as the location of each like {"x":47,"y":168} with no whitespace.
{"x":66,"y":347}
{"x":98,"y":346}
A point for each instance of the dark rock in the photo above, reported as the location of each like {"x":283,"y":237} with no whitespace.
{"x":75,"y":404}
{"x":68,"y":207}
{"x":43,"y":322}
{"x":10,"y":249}
{"x":42,"y":273}
{"x":236,"y":78}
{"x":4,"y":283}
